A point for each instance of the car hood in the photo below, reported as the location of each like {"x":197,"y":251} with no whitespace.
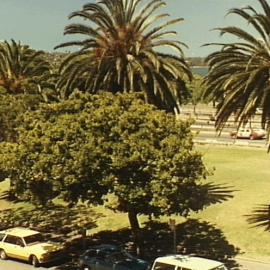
{"x":44,"y":247}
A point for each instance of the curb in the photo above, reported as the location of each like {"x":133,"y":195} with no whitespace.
{"x":253,"y":260}
{"x":227,"y":143}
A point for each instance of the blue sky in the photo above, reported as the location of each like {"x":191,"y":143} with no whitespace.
{"x":40,"y":23}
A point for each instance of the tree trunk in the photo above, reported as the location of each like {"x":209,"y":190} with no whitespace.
{"x":135,"y":228}
{"x":194,"y":109}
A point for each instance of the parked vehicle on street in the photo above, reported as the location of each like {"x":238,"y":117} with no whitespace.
{"x":184,"y":262}
{"x":249,"y":133}
{"x":112,"y":257}
{"x":28,"y":245}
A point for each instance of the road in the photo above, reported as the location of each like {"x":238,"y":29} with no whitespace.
{"x":12,"y":265}
{"x":17,"y":265}
{"x":246,"y":264}
{"x":210,"y":136}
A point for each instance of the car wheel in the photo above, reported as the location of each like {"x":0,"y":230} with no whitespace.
{"x":3,"y":255}
{"x":34,"y":261}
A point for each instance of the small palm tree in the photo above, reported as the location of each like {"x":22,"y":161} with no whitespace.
{"x":119,"y":52}
{"x":22,"y":70}
{"x":239,"y":73}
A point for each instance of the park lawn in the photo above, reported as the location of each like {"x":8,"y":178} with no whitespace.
{"x":247,"y":171}
{"x":4,"y":204}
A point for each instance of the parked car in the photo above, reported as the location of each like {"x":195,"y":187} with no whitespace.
{"x":249,"y":133}
{"x":183,"y":262}
{"x":28,"y":245}
{"x":106,"y":257}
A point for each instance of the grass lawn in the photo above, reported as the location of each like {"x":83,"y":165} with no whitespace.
{"x":3,"y":203}
{"x":247,"y":171}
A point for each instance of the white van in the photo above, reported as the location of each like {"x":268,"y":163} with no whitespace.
{"x":181,"y":262}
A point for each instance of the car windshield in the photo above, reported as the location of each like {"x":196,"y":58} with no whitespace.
{"x":31,"y":239}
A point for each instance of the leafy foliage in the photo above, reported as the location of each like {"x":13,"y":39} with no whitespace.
{"x":22,"y":70}
{"x":119,"y":52}
{"x":10,"y":108}
{"x":197,"y":88}
{"x":239,"y":71}
{"x":92,"y":146}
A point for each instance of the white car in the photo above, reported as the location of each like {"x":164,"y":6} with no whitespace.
{"x":184,"y":262}
{"x":249,"y":133}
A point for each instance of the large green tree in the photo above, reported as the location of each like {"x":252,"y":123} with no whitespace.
{"x":239,"y":71}
{"x":111,"y":149}
{"x":120,"y":52}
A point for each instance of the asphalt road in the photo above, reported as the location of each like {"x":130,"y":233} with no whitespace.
{"x":14,"y":265}
{"x":224,"y":138}
{"x":246,"y":264}
{"x":18,"y":265}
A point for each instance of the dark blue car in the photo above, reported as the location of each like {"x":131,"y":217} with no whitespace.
{"x":110,"y":257}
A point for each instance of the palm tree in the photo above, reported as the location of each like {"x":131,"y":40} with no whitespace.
{"x":119,"y":52}
{"x":239,"y":73}
{"x":22,"y":70}
{"x":239,"y":76}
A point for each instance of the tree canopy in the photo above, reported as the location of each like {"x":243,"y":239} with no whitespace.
{"x":197,"y":88}
{"x":22,"y":69}
{"x":239,"y":71}
{"x":120,"y":52}
{"x":106,"y":148}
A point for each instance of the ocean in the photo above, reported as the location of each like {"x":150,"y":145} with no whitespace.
{"x":200,"y":70}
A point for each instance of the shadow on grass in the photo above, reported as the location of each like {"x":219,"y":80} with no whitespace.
{"x":193,"y":237}
{"x":57,"y":223}
{"x":260,"y":217}
{"x":8,"y":196}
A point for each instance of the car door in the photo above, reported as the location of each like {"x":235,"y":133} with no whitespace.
{"x":90,"y":258}
{"x":103,"y":262}
{"x":14,"y":247}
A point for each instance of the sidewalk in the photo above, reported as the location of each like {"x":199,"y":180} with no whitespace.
{"x":252,"y":264}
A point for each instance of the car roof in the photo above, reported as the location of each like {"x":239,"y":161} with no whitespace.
{"x":20,"y":231}
{"x":190,"y":262}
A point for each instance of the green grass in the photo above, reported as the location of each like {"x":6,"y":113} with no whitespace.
{"x":3,"y":203}
{"x":247,"y":172}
